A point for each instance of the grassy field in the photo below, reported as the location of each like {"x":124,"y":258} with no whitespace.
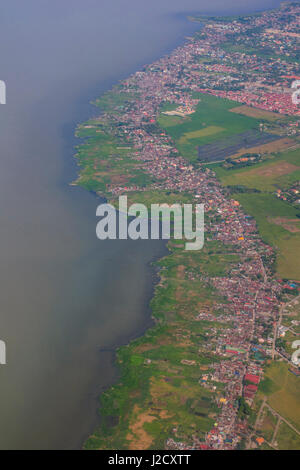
{"x":283,"y":390}
{"x":209,"y":130}
{"x":278,"y":171}
{"x":257,"y":113}
{"x":211,"y":121}
{"x":114,"y":100}
{"x":268,"y":425}
{"x":287,"y":439}
{"x":105,"y":158}
{"x":264,"y":207}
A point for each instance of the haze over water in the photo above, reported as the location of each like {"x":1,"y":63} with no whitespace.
{"x":64,"y":295}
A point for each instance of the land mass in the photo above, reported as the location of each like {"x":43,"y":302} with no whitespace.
{"x":213,"y":122}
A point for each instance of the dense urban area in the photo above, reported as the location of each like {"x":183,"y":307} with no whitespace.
{"x":214,"y":123}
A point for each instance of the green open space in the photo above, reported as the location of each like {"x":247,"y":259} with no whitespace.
{"x":287,"y":439}
{"x":211,"y":121}
{"x":271,"y":174}
{"x":282,"y":389}
{"x":105,"y":158}
{"x":268,"y":425}
{"x":265,"y":208}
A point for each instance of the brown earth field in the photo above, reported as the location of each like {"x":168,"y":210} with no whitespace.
{"x":275,"y":146}
{"x":120,"y":178}
{"x":114,"y":178}
{"x":256,"y":113}
{"x":287,"y":224}
{"x":281,"y":168}
{"x":140,"y":439}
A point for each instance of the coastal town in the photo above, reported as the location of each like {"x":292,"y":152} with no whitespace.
{"x":252,"y":61}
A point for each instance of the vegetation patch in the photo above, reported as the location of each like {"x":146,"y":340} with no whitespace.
{"x":283,"y":389}
{"x":274,"y":172}
{"x":287,"y":439}
{"x":211,"y":113}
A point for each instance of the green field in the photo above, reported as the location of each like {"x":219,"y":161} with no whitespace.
{"x":283,"y":390}
{"x":287,"y":439}
{"x":263,"y":207}
{"x":105,"y":158}
{"x":277,"y":171}
{"x":207,"y":131}
{"x":211,"y":121}
{"x":114,"y":100}
{"x":268,"y":425}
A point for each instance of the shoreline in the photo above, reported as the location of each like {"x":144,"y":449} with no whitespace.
{"x":125,"y":341}
{"x":73,"y":165}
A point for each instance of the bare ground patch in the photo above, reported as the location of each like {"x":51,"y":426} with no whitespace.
{"x":145,"y":347}
{"x":179,"y":293}
{"x":119,"y":178}
{"x":275,"y":146}
{"x":180,"y":271}
{"x":279,"y":169}
{"x":164,"y":414}
{"x":140,"y":439}
{"x":255,"y":112}
{"x":292,"y":225}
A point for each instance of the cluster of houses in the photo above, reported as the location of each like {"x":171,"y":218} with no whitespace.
{"x":291,"y":194}
{"x":274,"y":102}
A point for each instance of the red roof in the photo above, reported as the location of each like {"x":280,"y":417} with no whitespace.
{"x":252,"y":378}
{"x":203,"y":446}
{"x":251,"y":388}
